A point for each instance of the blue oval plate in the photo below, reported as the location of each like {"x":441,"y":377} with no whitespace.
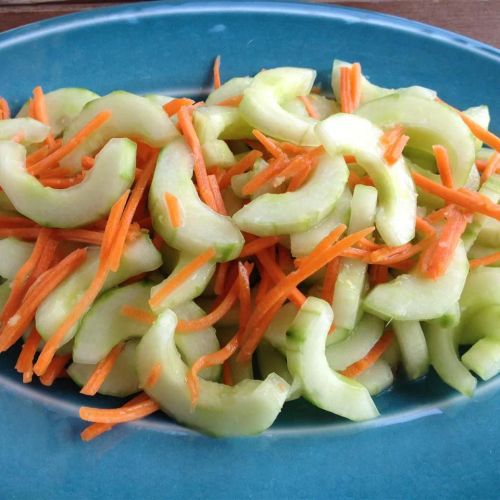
{"x":429,"y":442}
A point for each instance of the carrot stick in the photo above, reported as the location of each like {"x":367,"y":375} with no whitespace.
{"x":443,"y":165}
{"x":172,"y":107}
{"x":24,"y":363}
{"x":4,"y":109}
{"x":346,"y":105}
{"x":55,"y":369}
{"x":101,"y":371}
{"x":80,"y":235}
{"x":13,"y":221}
{"x":153,"y":377}
{"x":119,"y":415}
{"x":41,"y":111}
{"x":42,"y":152}
{"x":227,"y":373}
{"x":300,"y":179}
{"x":255,"y":246}
{"x":87,"y":162}
{"x":232,"y":102}
{"x":244,"y":296}
{"x":138,"y":314}
{"x":485,"y":261}
{"x":219,"y":202}
{"x":492,"y":165}
{"x":217,"y":82}
{"x":378,"y":275}
{"x":311,"y":111}
{"x":112,"y":225}
{"x":61,"y":183}
{"x":246,"y":163}
{"x":376,"y":351}
{"x":220,"y":277}
{"x":331,"y":275}
{"x":174,"y":210}
{"x":271,"y":147}
{"x":355,"y":85}
{"x":424,"y":227}
{"x":274,"y":168}
{"x":53,"y":158}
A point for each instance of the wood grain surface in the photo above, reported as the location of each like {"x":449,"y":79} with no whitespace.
{"x":478,"y":19}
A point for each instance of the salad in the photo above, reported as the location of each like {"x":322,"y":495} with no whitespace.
{"x":217,"y":259}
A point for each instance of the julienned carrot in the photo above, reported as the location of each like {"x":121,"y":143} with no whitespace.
{"x":174,"y":210}
{"x":246,"y":163}
{"x":443,"y":165}
{"x":4,"y":109}
{"x":12,"y":221}
{"x":101,"y":371}
{"x":138,"y":314}
{"x":330,"y":279}
{"x":376,"y":351}
{"x":200,"y":169}
{"x":244,"y":296}
{"x":217,"y":82}
{"x":474,"y":202}
{"x":24,"y":363}
{"x":87,"y":162}
{"x":482,"y":164}
{"x":274,"y":168}
{"x":346,"y":105}
{"x":389,"y":256}
{"x":220,"y":277}
{"x":378,"y":275}
{"x":58,"y":183}
{"x":311,"y":111}
{"x":112,"y":224}
{"x":367,"y":244}
{"x":53,"y":158}
{"x":172,"y":107}
{"x":182,"y":276}
{"x":355,"y":179}
{"x":485,"y":261}
{"x":423,"y":226}
{"x":129,"y":413}
{"x":55,"y":369}
{"x":154,"y":376}
{"x":393,"y":141}
{"x":254,"y":246}
{"x":301,"y":162}
{"x":492,"y":165}
{"x":219,"y":202}
{"x":270,"y":146}
{"x":233,"y":101}
{"x":42,"y":152}
{"x":227,"y":373}
{"x":41,"y":111}
{"x":355,"y":86}
{"x":300,"y":179}
{"x":264,"y":284}
{"x":80,"y":235}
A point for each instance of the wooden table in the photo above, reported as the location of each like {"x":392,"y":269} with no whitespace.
{"x":478,"y":19}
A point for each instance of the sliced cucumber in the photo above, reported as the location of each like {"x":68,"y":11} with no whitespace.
{"x":377,"y":378}
{"x":427,"y":123}
{"x":247,"y":408}
{"x":112,"y":175}
{"x":262,"y":103}
{"x":202,"y":227}
{"x":306,"y":360}
{"x":62,"y":106}
{"x":350,"y":134}
{"x":30,"y":130}
{"x":122,"y":381}
{"x":132,"y":116}
{"x":351,"y":281}
{"x":239,"y":180}
{"x":4,"y":294}
{"x":450,"y":318}
{"x":411,"y":297}
{"x":13,"y":254}
{"x":490,"y":233}
{"x":323,"y":106}
{"x":139,"y":256}
{"x":232,"y":88}
{"x":481,"y":115}
{"x":483,"y":358}
{"x":357,"y":345}
{"x":444,"y":359}
{"x":159,"y":99}
{"x":292,"y":212}
{"x":414,"y":352}
{"x":275,"y":333}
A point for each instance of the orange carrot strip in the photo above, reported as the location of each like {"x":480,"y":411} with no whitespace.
{"x":443,"y":165}
{"x":182,"y":276}
{"x":101,"y":371}
{"x":172,"y":107}
{"x":246,"y":163}
{"x":220,"y":277}
{"x":57,"y":183}
{"x":55,"y":369}
{"x":138,"y":314}
{"x":80,"y":235}
{"x":482,"y":164}
{"x":424,"y":227}
{"x":153,"y":377}
{"x":300,"y":179}
{"x":492,"y":166}
{"x":331,"y":275}
{"x":271,"y":147}
{"x":391,"y":135}
{"x":119,"y":415}
{"x":485,"y":261}
{"x":24,"y":363}
{"x":174,"y":210}
{"x":4,"y":109}
{"x":53,"y":158}
{"x":232,"y":102}
{"x":378,"y":275}
{"x":112,"y":225}
{"x":394,"y":142}
{"x":42,"y":152}
{"x":13,"y":221}
{"x":255,"y":246}
{"x":346,"y":105}
{"x":219,"y":202}
{"x":227,"y":373}
{"x":355,"y":179}
{"x":376,"y":351}
{"x":244,"y":296}
{"x":87,"y":162}
{"x":274,"y":168}
{"x":355,"y":86}
{"x":217,"y":82}
{"x":311,"y":111}
{"x":366,"y":244}
{"x":41,"y":111}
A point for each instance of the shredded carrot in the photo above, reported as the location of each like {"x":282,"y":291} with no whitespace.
{"x":355,"y":179}
{"x":55,"y":369}
{"x":285,"y":260}
{"x":232,"y":102}
{"x":172,"y":107}
{"x":174,"y":210}
{"x":389,"y":256}
{"x":4,"y":109}
{"x":330,"y":279}
{"x":200,"y":169}
{"x":119,"y":415}
{"x":41,"y":111}
{"x":42,"y":152}
{"x":301,"y":162}
{"x":394,"y":142}
{"x":482,"y":164}
{"x":102,"y":370}
{"x":244,"y":296}
{"x":292,"y":149}
{"x":424,"y":227}
{"x":24,"y":363}
{"x":367,"y":244}
{"x":350,"y":159}
{"x":220,"y":277}
{"x":300,"y":179}
{"x":181,"y":276}
{"x":270,"y":146}
{"x":12,"y":221}
{"x":346,"y":105}
{"x":492,"y":166}
{"x":87,"y":162}
{"x":255,"y":246}
{"x":79,"y":235}
{"x":227,"y":373}
{"x":138,"y":314}
{"x":154,"y":376}
{"x":219,"y":202}
{"x":376,"y":351}
{"x":53,"y":158}
{"x":485,"y":261}
{"x":355,"y":86}
{"x":112,"y":225}
{"x":217,"y":82}
{"x":311,"y":111}
{"x":58,"y":183}
{"x":378,"y":275}
{"x":275,"y":167}
{"x":443,"y":165}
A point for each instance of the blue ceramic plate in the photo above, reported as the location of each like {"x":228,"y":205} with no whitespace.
{"x":429,"y":442}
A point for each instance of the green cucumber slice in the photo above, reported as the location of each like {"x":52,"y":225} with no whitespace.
{"x":427,"y":123}
{"x":112,"y":174}
{"x":122,"y":381}
{"x":247,"y":408}
{"x":490,"y":233}
{"x":377,"y":378}
{"x":306,"y":360}
{"x":414,"y":352}
{"x":444,"y":359}
{"x":202,"y":227}
{"x":275,"y":333}
{"x":139,"y":256}
{"x":262,"y":103}
{"x":350,"y":134}
{"x":62,"y":106}
{"x":132,"y":116}
{"x":481,"y":115}
{"x":292,"y":212}
{"x":32,"y":131}
{"x":13,"y":254}
{"x":483,"y":358}
{"x":411,"y":297}
{"x":232,"y":88}
{"x":451,"y":317}
{"x":323,"y":106}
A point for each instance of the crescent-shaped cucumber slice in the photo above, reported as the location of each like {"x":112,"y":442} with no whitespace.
{"x":484,"y":358}
{"x":13,"y":254}
{"x":414,"y":351}
{"x":30,"y":130}
{"x":232,"y":88}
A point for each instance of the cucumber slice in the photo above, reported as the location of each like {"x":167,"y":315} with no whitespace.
{"x":6,"y":205}
{"x":450,"y":318}
{"x":292,"y":212}
{"x":323,"y":106}
{"x":104,"y":326}
{"x":239,"y":180}
{"x":483,"y":358}
{"x":191,"y":288}
{"x":357,"y":345}
{"x":112,"y":175}
{"x":247,"y":408}
{"x":62,"y":106}
{"x":350,"y":134}
{"x":414,"y":352}
{"x":306,"y":360}
{"x":4,"y":294}
{"x":202,"y":227}
{"x":139,"y":256}
{"x":478,"y":252}
{"x":411,"y":297}
{"x":275,"y":333}
{"x":32,"y":131}
{"x":490,"y":233}
{"x":270,"y":360}
{"x":444,"y":359}
{"x":351,"y":280}
{"x":479,"y":323}
{"x":377,"y":378}
{"x":392,"y":355}
{"x":426,"y":122}
{"x":122,"y":381}
{"x":232,"y":88}
{"x":132,"y":116}
{"x":159,"y":99}
{"x":13,"y":254}
{"x":262,"y":103}
{"x":303,"y":243}
{"x":481,"y":115}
